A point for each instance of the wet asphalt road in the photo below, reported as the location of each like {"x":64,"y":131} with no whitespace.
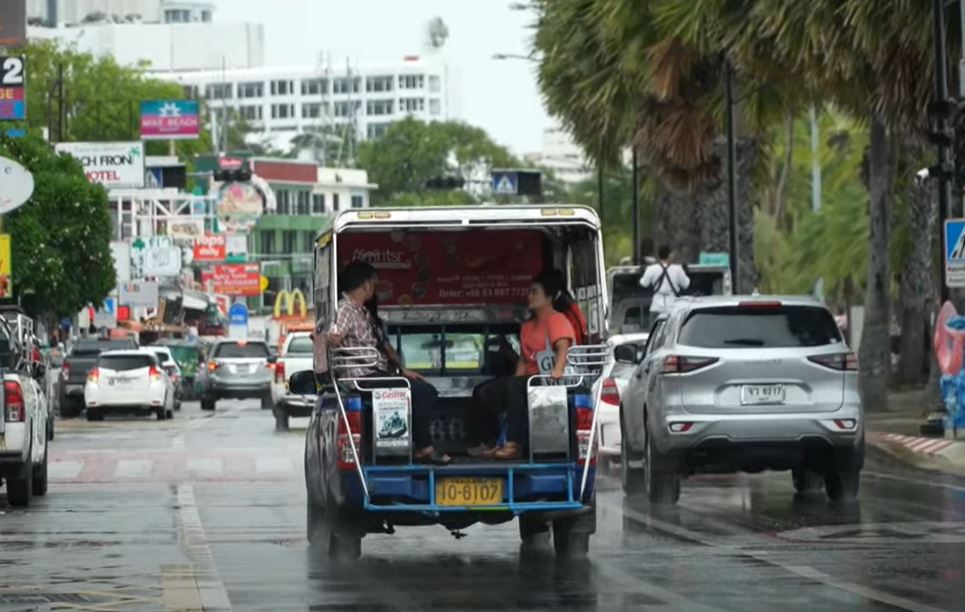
{"x":209,"y":512}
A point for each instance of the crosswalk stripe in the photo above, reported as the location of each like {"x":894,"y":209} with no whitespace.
{"x":203,"y":465}
{"x":133,"y":468}
{"x":273,"y":464}
{"x":64,"y":469}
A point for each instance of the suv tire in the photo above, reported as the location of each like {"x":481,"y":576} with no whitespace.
{"x":281,"y":418}
{"x":661,"y":477}
{"x":842,"y":480}
{"x":208,"y":403}
{"x":632,"y":479}
{"x":266,"y":402}
{"x":805,"y":481}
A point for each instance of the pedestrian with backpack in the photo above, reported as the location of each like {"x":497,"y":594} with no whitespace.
{"x":667,"y":280}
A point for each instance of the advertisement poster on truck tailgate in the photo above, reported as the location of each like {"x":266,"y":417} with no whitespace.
{"x":475,"y":267}
{"x":391,"y":409}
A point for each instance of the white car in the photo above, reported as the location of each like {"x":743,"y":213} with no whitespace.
{"x":613,"y":387}
{"x":171,"y":367}
{"x":297,"y":355}
{"x":130,"y":381}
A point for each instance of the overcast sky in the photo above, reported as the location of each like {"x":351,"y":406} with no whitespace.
{"x":499,"y":96}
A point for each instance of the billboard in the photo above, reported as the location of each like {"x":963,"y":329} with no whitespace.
{"x":111,"y":164}
{"x":239,"y":206}
{"x":138,"y":294}
{"x":170,"y":120}
{"x":13,"y":23}
{"x":6,"y":269}
{"x":210,"y":248}
{"x":237,"y":248}
{"x":186,"y":229}
{"x":16,"y":185}
{"x":291,"y":305}
{"x":237,"y":279}
{"x":13,"y":87}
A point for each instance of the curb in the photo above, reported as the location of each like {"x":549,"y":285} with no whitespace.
{"x":936,"y":452}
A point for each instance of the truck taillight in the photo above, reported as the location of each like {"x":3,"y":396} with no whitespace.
{"x":353,"y":410}
{"x":94,"y":375}
{"x":584,"y":427}
{"x":679,"y":364}
{"x":65,"y":370}
{"x":280,"y":372}
{"x":610,"y":393}
{"x":13,"y":397}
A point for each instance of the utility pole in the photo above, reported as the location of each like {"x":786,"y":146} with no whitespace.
{"x":815,"y":182}
{"x":599,"y":192}
{"x":637,"y":259}
{"x":732,"y":180}
{"x":941,"y":94}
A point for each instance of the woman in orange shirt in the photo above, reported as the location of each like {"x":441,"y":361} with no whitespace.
{"x":544,"y":341}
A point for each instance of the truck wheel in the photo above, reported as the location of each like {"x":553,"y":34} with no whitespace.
{"x":70,"y":409}
{"x":40,"y":477}
{"x":567,"y":542}
{"x":19,"y":489}
{"x":281,"y":419}
{"x":266,"y":403}
{"x":662,"y":479}
{"x":327,"y":531}
{"x":208,"y":403}
{"x":161,"y":413}
{"x":632,"y":479}
{"x":805,"y":481}
{"x":93,"y":415}
{"x":533,"y":533}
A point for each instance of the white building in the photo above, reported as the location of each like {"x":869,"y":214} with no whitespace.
{"x":283,"y":102}
{"x":73,"y":12}
{"x":561,"y":155}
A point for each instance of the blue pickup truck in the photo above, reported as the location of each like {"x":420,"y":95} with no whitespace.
{"x":360,"y":476}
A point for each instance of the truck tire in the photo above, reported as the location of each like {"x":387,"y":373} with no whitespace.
{"x":533,"y":533}
{"x":161,"y":414}
{"x":208,"y":403}
{"x":40,"y":477}
{"x":568,"y":542}
{"x":70,"y":409}
{"x":281,"y":418}
{"x":94,"y":415}
{"x":266,"y":402}
{"x":19,"y":489}
{"x":329,"y":533}
{"x":632,"y":479}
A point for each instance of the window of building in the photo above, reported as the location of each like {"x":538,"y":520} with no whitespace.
{"x":358,"y":201}
{"x":318,"y":203}
{"x":379,"y":107}
{"x":251,"y":90}
{"x":177,"y":16}
{"x":308,"y":239}
{"x":191,"y":92}
{"x":335,"y":202}
{"x":217,"y":91}
{"x":435,"y":83}
{"x":314,"y":110}
{"x":345,"y":109}
{"x":268,"y":242}
{"x":250,"y":112}
{"x":376,"y":130}
{"x":206,"y":16}
{"x":412,"y":81}
{"x":283,"y":201}
{"x":289,"y":241}
{"x":378,"y":84}
{"x":314,"y":87}
{"x":435,"y":107}
{"x":282,"y":88}
{"x":412,"y":105}
{"x":345,"y":85}
{"x":303,"y":202}
{"x":282,"y":111}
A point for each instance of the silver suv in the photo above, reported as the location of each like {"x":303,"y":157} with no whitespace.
{"x":746,"y":384}
{"x":239,"y":369}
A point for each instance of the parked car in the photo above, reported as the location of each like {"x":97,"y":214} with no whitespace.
{"x":171,"y":368}
{"x":630,"y":347}
{"x":129,"y":381}
{"x":743,"y":384}
{"x":76,"y":367}
{"x":237,"y":369}
{"x":296,"y":356}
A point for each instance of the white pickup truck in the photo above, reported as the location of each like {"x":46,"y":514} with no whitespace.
{"x":296,"y":355}
{"x":23,"y":437}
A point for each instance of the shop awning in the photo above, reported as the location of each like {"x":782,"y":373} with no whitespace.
{"x":193,"y":302}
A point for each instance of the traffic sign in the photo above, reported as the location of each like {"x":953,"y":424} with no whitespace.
{"x":955,"y":253}
{"x":238,"y":314}
{"x":505,"y":183}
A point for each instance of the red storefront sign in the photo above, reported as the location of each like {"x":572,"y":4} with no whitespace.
{"x":475,"y":267}
{"x":237,"y":279}
{"x":211,"y":247}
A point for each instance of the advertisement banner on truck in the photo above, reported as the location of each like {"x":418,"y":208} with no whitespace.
{"x":111,"y":164}
{"x":474,"y":267}
{"x":237,"y":279}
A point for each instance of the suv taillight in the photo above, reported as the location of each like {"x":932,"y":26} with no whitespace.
{"x":353,"y":410}
{"x":65,"y":370}
{"x":680,"y":364}
{"x":610,"y":393}
{"x":154,"y":373}
{"x":13,"y":397}
{"x":843,"y":362}
{"x":584,"y":427}
{"x":280,"y":372}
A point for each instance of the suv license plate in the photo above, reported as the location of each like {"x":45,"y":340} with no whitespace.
{"x":469,"y":491}
{"x":756,"y":395}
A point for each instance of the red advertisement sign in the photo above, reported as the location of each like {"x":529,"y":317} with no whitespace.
{"x":476,"y":267}
{"x":237,"y":279}
{"x":210,"y":247}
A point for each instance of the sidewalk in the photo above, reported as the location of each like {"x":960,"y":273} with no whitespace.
{"x":896,"y":431}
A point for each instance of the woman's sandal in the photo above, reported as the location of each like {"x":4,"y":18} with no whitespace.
{"x":510,"y":451}
{"x":434,"y":457}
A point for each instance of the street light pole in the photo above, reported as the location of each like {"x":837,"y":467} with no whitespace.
{"x":636,"y":208}
{"x":732,"y":180}
{"x":941,"y":94}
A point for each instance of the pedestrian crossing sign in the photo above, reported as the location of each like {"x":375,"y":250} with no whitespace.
{"x":505,"y":183}
{"x":955,"y":253}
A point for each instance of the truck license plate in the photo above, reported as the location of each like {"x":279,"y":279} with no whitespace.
{"x":757,"y":395}
{"x":469,"y":491}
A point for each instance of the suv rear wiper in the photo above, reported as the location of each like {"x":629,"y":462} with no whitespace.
{"x":745,"y":341}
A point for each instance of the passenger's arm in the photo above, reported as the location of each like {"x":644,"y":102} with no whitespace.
{"x":561,"y":347}
{"x":520,"y":367}
{"x":395,"y":360}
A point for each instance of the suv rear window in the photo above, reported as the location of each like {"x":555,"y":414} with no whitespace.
{"x":300,"y":345}
{"x":123,"y":363}
{"x":246,"y":350}
{"x":759,"y":327}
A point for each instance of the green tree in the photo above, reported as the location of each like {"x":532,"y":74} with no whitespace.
{"x":61,"y":236}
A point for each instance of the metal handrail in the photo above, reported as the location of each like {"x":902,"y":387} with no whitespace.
{"x":607,"y":369}
{"x":352,"y":358}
